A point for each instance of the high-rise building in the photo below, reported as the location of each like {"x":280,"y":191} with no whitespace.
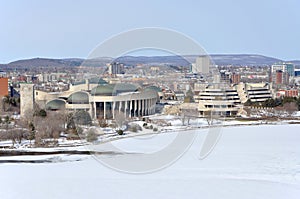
{"x":225,"y":76}
{"x":3,"y":86}
{"x":277,"y":67}
{"x":284,"y":67}
{"x":235,"y":78}
{"x":290,"y":69}
{"x":115,"y":68}
{"x":280,"y":78}
{"x":202,"y":65}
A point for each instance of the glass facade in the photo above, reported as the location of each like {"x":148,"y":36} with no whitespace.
{"x":290,"y":68}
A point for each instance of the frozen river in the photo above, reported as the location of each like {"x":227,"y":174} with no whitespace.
{"x":247,"y":162}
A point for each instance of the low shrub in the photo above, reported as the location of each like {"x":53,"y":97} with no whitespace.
{"x":133,"y":129}
{"x":120,"y":131}
{"x":91,"y":136}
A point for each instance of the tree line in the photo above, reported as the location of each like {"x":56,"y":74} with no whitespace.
{"x":44,"y":127}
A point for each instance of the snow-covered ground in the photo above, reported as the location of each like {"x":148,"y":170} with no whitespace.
{"x":247,"y":162}
{"x":296,"y":114}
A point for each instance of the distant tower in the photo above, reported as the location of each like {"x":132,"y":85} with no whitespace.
{"x":235,"y":78}
{"x":284,"y":67}
{"x":202,"y":65}
{"x":115,"y":68}
{"x":290,"y":68}
{"x":280,"y":78}
{"x":26,"y":98}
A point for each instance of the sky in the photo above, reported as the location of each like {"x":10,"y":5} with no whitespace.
{"x":68,"y":29}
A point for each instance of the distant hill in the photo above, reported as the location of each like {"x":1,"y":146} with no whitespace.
{"x":45,"y":62}
{"x":244,"y":59}
{"x":219,"y":59}
{"x":170,"y":60}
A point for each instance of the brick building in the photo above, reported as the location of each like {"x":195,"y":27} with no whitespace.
{"x":3,"y":86}
{"x":287,"y":93}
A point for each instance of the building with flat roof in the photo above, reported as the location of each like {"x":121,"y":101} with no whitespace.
{"x":115,"y":68}
{"x":284,"y":67}
{"x":3,"y":86}
{"x":280,"y":78}
{"x":235,"y":78}
{"x":219,"y":101}
{"x":223,"y":100}
{"x":257,"y":92}
{"x":297,"y":72}
{"x":202,"y":65}
{"x":287,"y":93}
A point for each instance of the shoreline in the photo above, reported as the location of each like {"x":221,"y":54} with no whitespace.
{"x":64,"y":150}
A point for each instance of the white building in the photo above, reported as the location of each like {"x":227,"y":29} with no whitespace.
{"x":258,"y":92}
{"x":202,"y":65}
{"x":222,"y":100}
{"x":102,"y":100}
{"x":219,"y":101}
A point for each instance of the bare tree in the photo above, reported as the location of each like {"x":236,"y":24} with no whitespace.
{"x":120,"y":119}
{"x":211,"y":116}
{"x":48,"y":127}
{"x":186,"y":115}
{"x":40,"y":126}
{"x":290,"y":107}
{"x":28,"y":115}
{"x":16,"y":135}
{"x":55,"y":124}
{"x":102,"y":122}
{"x":2,"y":106}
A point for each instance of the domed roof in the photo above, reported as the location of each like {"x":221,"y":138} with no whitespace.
{"x":78,"y":83}
{"x":78,"y":98}
{"x":113,"y":89}
{"x":56,"y":104}
{"x":97,"y":80}
{"x":94,"y":80}
{"x":157,"y":89}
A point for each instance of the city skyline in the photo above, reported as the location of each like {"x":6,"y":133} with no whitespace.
{"x":67,"y":29}
{"x":149,"y":99}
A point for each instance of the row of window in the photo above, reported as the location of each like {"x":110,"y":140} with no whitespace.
{"x":219,"y":106}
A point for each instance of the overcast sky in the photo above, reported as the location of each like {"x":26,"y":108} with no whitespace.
{"x":63,"y":29}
